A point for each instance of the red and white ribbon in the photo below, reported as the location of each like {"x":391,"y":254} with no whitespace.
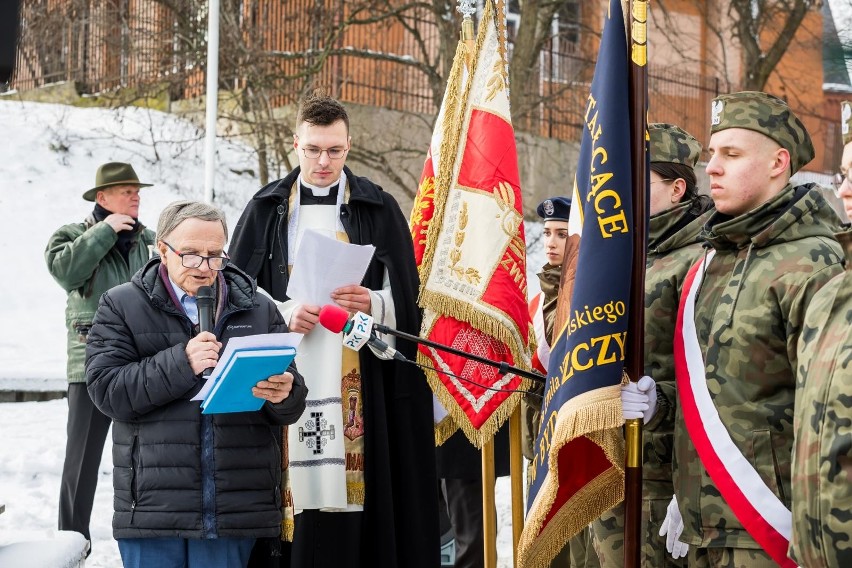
{"x":759,"y":510}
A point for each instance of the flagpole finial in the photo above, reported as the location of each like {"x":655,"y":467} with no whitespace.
{"x":467,"y":8}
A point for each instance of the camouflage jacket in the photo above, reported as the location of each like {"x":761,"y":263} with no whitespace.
{"x":822,"y":479}
{"x":769,"y":263}
{"x":673,"y":247}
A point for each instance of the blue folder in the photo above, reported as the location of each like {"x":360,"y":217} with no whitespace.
{"x":245,"y":368}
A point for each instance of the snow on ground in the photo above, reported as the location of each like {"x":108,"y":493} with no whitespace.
{"x":50,"y":156}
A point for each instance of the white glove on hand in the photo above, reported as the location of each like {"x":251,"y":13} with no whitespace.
{"x":639,"y":399}
{"x":672,"y":528}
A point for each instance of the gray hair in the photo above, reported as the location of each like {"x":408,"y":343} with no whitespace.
{"x":179,"y":211}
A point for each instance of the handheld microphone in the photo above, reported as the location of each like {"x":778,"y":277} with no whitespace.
{"x":204,"y":300}
{"x":357,"y":331}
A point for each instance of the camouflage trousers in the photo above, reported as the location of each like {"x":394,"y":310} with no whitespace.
{"x":577,"y":553}
{"x":608,"y":532}
{"x":729,"y":558}
{"x":582,"y":552}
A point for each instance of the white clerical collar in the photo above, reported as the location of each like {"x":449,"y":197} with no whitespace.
{"x":318,"y":191}
{"x":293,"y":223}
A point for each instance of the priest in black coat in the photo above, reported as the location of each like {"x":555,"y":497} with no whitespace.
{"x":390,"y":515}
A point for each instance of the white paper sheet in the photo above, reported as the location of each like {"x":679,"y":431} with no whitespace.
{"x":324,"y":264}
{"x":259,"y":341}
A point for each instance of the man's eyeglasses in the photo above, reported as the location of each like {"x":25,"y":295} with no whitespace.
{"x":312,"y":153}
{"x":189,"y":260}
{"x":838,"y":180}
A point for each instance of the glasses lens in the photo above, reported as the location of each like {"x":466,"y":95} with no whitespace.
{"x":838,"y":181}
{"x":191,"y":260}
{"x":216,"y":262}
{"x":333,"y":153}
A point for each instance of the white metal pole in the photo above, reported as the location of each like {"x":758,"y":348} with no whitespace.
{"x":212,"y":98}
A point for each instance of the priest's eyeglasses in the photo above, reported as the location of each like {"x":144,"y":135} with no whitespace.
{"x":312,"y":152}
{"x":189,"y":260}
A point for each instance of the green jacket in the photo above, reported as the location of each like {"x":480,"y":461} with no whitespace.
{"x":749,"y":313}
{"x":83,"y":259}
{"x":822,"y":478}
{"x":673,"y":247}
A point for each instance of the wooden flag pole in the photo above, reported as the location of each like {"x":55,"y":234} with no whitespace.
{"x":516,"y":477}
{"x":489,"y":512}
{"x":634,"y":363}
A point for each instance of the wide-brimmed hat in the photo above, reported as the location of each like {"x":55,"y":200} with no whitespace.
{"x":112,"y":174}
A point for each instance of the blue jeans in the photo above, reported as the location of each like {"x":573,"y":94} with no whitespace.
{"x":185,"y":552}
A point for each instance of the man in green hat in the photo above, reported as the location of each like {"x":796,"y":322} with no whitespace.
{"x":87,"y":259}
{"x":770,"y":248}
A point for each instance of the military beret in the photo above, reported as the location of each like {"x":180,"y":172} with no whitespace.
{"x":846,"y":121}
{"x":672,"y":144}
{"x":554,"y":209}
{"x":769,"y":115}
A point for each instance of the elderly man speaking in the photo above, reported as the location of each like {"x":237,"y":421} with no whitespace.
{"x":191,"y":489}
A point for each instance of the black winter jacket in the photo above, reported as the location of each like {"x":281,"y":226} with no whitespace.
{"x":176,"y":472}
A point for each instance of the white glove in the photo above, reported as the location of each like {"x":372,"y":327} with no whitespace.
{"x":672,"y":528}
{"x":639,"y":399}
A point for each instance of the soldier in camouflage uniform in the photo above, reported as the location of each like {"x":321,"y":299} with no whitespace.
{"x":774,"y":249}
{"x":822,"y":480}
{"x":677,"y":214}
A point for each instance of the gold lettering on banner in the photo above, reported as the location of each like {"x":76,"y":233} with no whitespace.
{"x":596,"y":352}
{"x":546,"y":438}
{"x":607,"y":201}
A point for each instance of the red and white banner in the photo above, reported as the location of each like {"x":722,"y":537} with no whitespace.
{"x":467,"y":226}
{"x":759,"y":510}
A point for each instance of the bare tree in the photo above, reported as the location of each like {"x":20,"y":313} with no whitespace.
{"x":751,"y":35}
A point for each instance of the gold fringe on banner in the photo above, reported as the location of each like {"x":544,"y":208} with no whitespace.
{"x":511,"y":336}
{"x":446,"y":427}
{"x":597,"y":416}
{"x":454,"y":101}
{"x":456,"y":417}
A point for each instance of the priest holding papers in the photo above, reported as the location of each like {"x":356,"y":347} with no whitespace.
{"x":191,"y":489}
{"x":361,"y":460}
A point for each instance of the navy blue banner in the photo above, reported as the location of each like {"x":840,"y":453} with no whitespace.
{"x":581,"y":397}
